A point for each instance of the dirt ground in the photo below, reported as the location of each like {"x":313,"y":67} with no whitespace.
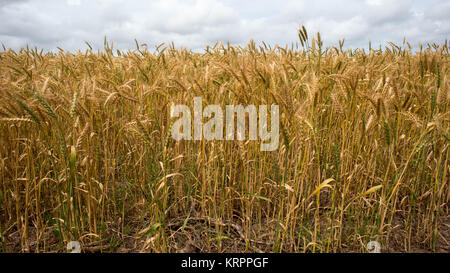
{"x":195,"y":236}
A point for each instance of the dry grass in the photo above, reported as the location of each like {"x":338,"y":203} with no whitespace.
{"x":86,"y":152}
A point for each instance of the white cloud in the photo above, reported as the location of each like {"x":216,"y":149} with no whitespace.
{"x":196,"y":23}
{"x":74,"y":2}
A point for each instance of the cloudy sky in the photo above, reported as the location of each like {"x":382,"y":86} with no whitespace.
{"x":197,"y":23}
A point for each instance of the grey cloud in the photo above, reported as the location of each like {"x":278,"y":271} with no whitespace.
{"x":439,"y":12}
{"x":383,"y":11}
{"x":196,"y":23}
{"x":10,"y":2}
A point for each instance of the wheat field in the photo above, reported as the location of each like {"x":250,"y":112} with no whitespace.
{"x":86,"y":152}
